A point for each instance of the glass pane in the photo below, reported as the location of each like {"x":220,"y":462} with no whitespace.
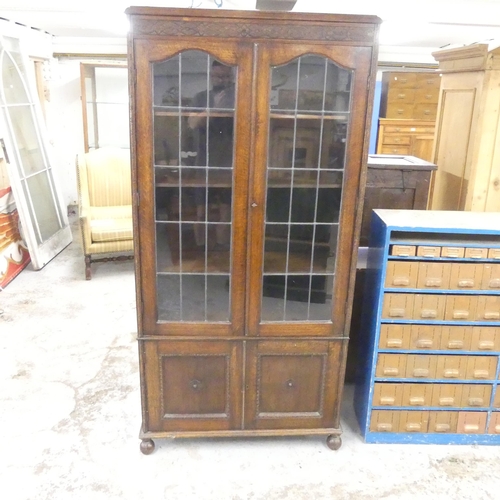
{"x":44,"y":210}
{"x":194,"y":114}
{"x":309,"y":113}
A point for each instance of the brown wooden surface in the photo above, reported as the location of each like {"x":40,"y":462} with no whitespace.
{"x":193,"y":376}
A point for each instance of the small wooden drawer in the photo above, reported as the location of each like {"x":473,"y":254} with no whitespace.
{"x":384,"y":421}
{"x":404,"y":250}
{"x":476,"y":253}
{"x":403,"y":80}
{"x":403,"y":140}
{"x":494,"y":427}
{"x":466,"y":276}
{"x":491,"y":277}
{"x":404,"y":95}
{"x":427,"y":95}
{"x":429,"y":307}
{"x":425,"y":337}
{"x":460,"y":308}
{"x":421,"y":366}
{"x":446,"y":395}
{"x":406,"y":129}
{"x":434,"y":275}
{"x":397,"y":306}
{"x":496,"y":399}
{"x":476,"y":396}
{"x":488,"y":308}
{"x":481,"y":367}
{"x":455,"y":338}
{"x":485,"y":338}
{"x":451,"y":367}
{"x":395,"y":150}
{"x":387,"y":394}
{"x":417,"y":395}
{"x":453,"y":252}
{"x":494,"y":253}
{"x":414,"y":421}
{"x":401,"y":274}
{"x":428,"y":80}
{"x":471,"y":422}
{"x":391,"y":365}
{"x":428,"y":251}
{"x":425,"y":111}
{"x":399,"y":110}
{"x":442,"y":422}
{"x":394,"y":336}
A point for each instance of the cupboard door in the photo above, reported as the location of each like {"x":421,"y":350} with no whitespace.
{"x":292,"y":384}
{"x":310,"y":115}
{"x":192,"y":159}
{"x":192,"y":386}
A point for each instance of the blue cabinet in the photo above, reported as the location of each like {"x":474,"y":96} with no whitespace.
{"x":429,"y":372}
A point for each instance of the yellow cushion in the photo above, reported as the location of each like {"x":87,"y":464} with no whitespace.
{"x":103,"y":230}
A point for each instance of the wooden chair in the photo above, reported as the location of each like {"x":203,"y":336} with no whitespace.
{"x":105,"y":205}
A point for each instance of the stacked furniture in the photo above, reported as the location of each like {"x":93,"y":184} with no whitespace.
{"x":408,"y":112}
{"x":430,"y":372}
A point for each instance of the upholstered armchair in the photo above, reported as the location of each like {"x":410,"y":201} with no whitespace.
{"x":105,"y":205}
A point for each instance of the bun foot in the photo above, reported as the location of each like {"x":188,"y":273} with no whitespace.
{"x":147,"y":446}
{"x":333,"y":442}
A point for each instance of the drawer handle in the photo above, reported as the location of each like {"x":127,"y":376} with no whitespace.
{"x":427,"y":112}
{"x":465,"y":283}
{"x":471,"y":427}
{"x":487,"y":345}
{"x":495,"y":283}
{"x":387,"y":400}
{"x":421,"y":372}
{"x":476,"y":401}
{"x":460,"y":314}
{"x":442,"y":428}
{"x":451,"y":373}
{"x":480,"y":374}
{"x":428,"y":313}
{"x":401,"y":281}
{"x":428,"y":96}
{"x":475,"y":255}
{"x":394,"y":343}
{"x":391,"y":372}
{"x":424,"y":343}
{"x":413,"y":427}
{"x":433,"y":282}
{"x":446,"y":401}
{"x":491,"y":315}
{"x":497,"y":429}
{"x":455,"y":344}
{"x":401,"y":96}
{"x":396,"y":312}
{"x":399,"y":130}
{"x":384,"y":427}
{"x":417,"y":401}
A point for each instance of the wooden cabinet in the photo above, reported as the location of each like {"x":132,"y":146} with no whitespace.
{"x":409,"y":95}
{"x":408,"y":108}
{"x":467,"y":142}
{"x":249,"y":156}
{"x":429,"y":371}
{"x":406,"y":137}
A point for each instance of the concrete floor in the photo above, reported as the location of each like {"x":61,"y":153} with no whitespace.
{"x":70,"y":416}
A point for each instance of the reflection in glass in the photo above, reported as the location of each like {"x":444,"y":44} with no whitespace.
{"x":194,"y":112}
{"x":308,"y":132}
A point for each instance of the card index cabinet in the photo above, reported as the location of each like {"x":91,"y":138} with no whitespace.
{"x":431,"y":369}
{"x":249,"y":147}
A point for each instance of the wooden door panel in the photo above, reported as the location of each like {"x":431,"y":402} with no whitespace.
{"x":192,"y":386}
{"x":292,"y":384}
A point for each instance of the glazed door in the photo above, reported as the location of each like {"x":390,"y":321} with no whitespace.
{"x":311,"y":127}
{"x":193,"y":136}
